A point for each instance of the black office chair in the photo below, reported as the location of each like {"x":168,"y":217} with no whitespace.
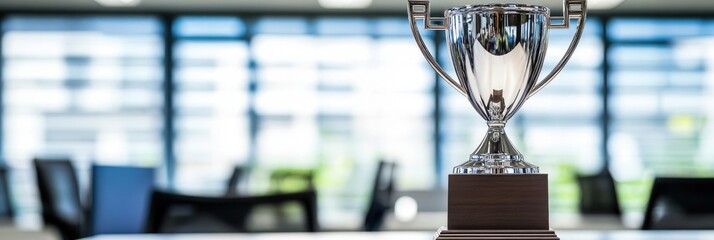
{"x":598,"y":194}
{"x":236,"y":176}
{"x":680,"y":203}
{"x":382,"y":193}
{"x":6,"y":210}
{"x":59,"y":196}
{"x":176,"y":213}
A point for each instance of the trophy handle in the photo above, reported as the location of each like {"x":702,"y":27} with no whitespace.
{"x":571,"y":9}
{"x":419,"y":9}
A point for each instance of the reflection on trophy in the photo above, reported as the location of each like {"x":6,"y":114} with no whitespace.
{"x":497,"y":51}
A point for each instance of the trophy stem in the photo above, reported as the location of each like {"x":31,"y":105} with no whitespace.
{"x":495,"y":155}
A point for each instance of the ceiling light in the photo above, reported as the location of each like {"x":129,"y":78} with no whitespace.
{"x":345,"y":3}
{"x":118,"y":3}
{"x":604,"y":4}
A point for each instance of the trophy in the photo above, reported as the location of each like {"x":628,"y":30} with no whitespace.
{"x":497,"y":51}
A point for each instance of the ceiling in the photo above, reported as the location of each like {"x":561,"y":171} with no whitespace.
{"x":300,"y":6}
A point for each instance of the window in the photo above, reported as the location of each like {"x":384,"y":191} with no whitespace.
{"x":337,"y":95}
{"x":661,"y":84}
{"x":86,"y":88}
{"x":290,"y":93}
{"x":212,"y":98}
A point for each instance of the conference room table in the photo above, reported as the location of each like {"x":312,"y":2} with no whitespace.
{"x":564,"y":235}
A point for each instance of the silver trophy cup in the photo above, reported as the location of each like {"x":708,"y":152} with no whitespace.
{"x":497,"y":51}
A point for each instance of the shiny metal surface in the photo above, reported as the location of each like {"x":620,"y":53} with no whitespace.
{"x":498,"y":52}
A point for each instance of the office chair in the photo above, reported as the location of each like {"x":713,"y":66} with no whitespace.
{"x":176,"y":213}
{"x":59,"y":196}
{"x":382,"y":193}
{"x":120,"y":199}
{"x":598,"y":194}
{"x":232,"y":188}
{"x":680,"y":203}
{"x":6,"y":210}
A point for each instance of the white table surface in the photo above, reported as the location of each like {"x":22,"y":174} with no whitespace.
{"x":564,"y":235}
{"x":10,"y":232}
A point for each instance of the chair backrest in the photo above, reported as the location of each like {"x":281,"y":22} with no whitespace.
{"x":232,"y":188}
{"x":59,"y":195}
{"x":382,"y":194}
{"x":176,"y":213}
{"x":680,"y":203}
{"x":598,"y":194}
{"x":6,"y":210}
{"x":120,"y":199}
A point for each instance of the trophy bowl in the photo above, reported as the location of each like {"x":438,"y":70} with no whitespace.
{"x":497,"y":51}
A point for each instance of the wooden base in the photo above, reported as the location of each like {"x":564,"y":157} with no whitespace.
{"x":444,"y":234}
{"x":498,"y":202}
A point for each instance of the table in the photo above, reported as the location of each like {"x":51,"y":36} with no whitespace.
{"x":425,"y":221}
{"x":564,"y":235}
{"x":10,"y":232}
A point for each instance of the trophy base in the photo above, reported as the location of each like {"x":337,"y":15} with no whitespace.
{"x":445,"y":234}
{"x":501,"y":202}
{"x":495,"y":167}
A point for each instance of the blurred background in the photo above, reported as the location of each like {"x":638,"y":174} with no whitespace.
{"x":327,"y":89}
